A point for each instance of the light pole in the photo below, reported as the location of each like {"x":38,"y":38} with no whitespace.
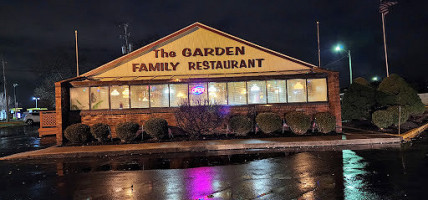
{"x":340,"y":48}
{"x":36,"y":98}
{"x":14,"y":94}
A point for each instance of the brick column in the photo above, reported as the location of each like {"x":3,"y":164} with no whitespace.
{"x":62,"y":96}
{"x":334,"y":98}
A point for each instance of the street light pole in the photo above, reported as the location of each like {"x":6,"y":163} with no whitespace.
{"x":14,"y":94}
{"x":36,"y":98}
{"x":350,"y":66}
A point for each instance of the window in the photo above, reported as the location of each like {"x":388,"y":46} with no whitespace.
{"x":99,"y":98}
{"x":159,"y":95}
{"x":178,"y":94}
{"x":317,"y":90}
{"x":198,"y":94}
{"x":139,"y":96}
{"x":237,"y":93}
{"x":256,"y":92}
{"x":296,"y":90}
{"x":276,"y":91}
{"x":119,"y":97}
{"x":217,"y":93}
{"x":79,"y":98}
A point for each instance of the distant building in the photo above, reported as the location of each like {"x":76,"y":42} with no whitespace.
{"x":196,"y":63}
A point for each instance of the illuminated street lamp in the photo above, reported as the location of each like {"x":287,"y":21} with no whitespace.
{"x":36,"y":98}
{"x":339,"y":48}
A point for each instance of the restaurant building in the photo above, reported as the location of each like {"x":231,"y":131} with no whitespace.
{"x":195,"y":64}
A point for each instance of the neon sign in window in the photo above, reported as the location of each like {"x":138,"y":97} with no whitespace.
{"x":197,"y":90}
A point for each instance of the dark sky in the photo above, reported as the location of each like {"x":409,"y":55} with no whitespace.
{"x":33,"y":33}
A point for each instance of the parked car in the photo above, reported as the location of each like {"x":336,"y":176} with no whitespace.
{"x":31,"y":118}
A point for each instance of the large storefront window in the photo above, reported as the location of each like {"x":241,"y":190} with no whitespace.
{"x":198,"y":94}
{"x":217,"y":93}
{"x":237,"y":93}
{"x":296,"y":90}
{"x":256,"y":92}
{"x":99,"y":98}
{"x":119,"y":97}
{"x":139,"y":96}
{"x":159,"y":95}
{"x":276,"y":91}
{"x":178,"y":94}
{"x":317,"y":90}
{"x":79,"y":98}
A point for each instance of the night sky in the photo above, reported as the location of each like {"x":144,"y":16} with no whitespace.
{"x":36,"y":33}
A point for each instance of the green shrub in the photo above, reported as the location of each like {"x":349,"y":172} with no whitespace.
{"x":394,"y":90}
{"x":77,"y":133}
{"x":299,"y":122}
{"x":127,"y":131}
{"x":382,"y":119}
{"x":156,"y":127}
{"x":326,"y":122}
{"x":394,"y":112}
{"x":269,"y":122}
{"x":100,"y":131}
{"x":358,"y":100}
{"x":240,"y":125}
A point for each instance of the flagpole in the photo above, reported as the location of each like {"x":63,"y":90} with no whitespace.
{"x":318,"y":39}
{"x":384,"y":44}
{"x":77,"y":53}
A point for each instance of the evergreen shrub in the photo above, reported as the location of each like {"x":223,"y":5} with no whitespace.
{"x":77,"y":133}
{"x":240,"y":125}
{"x":127,"y":131}
{"x":100,"y":131}
{"x":299,"y":122}
{"x":326,"y":122}
{"x":382,"y":119}
{"x":156,"y":127}
{"x":269,"y":122}
{"x":394,"y":112}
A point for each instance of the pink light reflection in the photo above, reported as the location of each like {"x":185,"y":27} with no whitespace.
{"x":200,"y":182}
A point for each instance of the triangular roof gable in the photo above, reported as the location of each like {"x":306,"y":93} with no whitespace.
{"x":206,"y":39}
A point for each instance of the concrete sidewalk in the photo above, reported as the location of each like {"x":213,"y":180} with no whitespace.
{"x":207,"y":145}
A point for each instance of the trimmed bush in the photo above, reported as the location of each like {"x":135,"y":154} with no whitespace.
{"x":359,"y":100}
{"x":156,"y":127}
{"x":382,"y":119}
{"x":100,"y":131}
{"x":240,"y":125}
{"x":394,"y":90}
{"x":269,"y":122}
{"x":299,"y":122}
{"x":77,"y":133}
{"x":394,"y":112}
{"x":127,"y":131}
{"x":326,"y":122}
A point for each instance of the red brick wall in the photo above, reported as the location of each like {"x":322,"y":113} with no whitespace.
{"x":66,"y":117}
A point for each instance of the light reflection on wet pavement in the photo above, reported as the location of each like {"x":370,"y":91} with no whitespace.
{"x":392,"y":173}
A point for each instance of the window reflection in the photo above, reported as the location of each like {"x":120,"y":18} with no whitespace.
{"x":237,"y":93}
{"x":179,"y":96}
{"x":256,"y":92}
{"x":276,"y":91}
{"x":317,"y":90}
{"x":217,"y":93}
{"x":99,"y":98}
{"x":296,"y":90}
{"x":79,"y":98}
{"x":159,"y":95}
{"x":119,"y":97}
{"x":139,"y":96}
